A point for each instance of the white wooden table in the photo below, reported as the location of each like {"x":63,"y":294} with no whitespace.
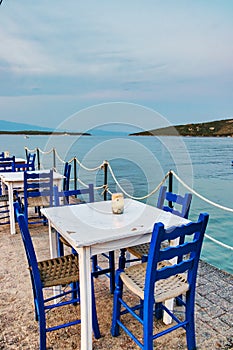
{"x":93,"y":229}
{"x":14,"y":180}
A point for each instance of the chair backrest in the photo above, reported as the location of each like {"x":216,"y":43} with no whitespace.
{"x":66,"y":196}
{"x":31,"y":157}
{"x":7,"y":164}
{"x":38,"y":185}
{"x":185,"y":256}
{"x":29,"y":250}
{"x":29,"y":165}
{"x":173,"y":199}
{"x":66,"y":180}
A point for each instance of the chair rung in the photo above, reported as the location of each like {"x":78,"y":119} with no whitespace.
{"x":64,"y":325}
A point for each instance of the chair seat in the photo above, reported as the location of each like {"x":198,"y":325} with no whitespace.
{"x":134,"y":278}
{"x":139,"y":250}
{"x":143,"y":249}
{"x":58,"y":271}
{"x":72,"y":201}
{"x":4,"y":198}
{"x":38,"y":201}
{"x":64,"y":241}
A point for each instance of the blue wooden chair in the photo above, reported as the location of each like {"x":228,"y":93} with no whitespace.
{"x":73,"y":197}
{"x":49,"y":273}
{"x":4,"y":209}
{"x":176,"y":204}
{"x":29,"y":165}
{"x":7,"y":164}
{"x":160,"y":279}
{"x":38,"y":192}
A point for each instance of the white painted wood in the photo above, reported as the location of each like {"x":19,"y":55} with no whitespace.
{"x":15,"y":180}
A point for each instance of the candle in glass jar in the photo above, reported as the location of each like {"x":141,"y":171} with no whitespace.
{"x":117,"y":203}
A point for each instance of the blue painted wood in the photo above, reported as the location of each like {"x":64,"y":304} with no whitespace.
{"x":40,"y":302}
{"x":37,"y":185}
{"x":29,"y":165}
{"x":7,"y":164}
{"x":184,"y":202}
{"x":66,"y":181}
{"x":191,"y":236}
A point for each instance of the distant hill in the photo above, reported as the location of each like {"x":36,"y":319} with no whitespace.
{"x":218,"y":128}
{"x":7,"y":127}
{"x":13,"y":126}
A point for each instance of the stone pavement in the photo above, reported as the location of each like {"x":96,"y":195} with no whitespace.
{"x":214,"y":308}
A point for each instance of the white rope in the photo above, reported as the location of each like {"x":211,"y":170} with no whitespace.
{"x":89,"y":169}
{"x":218,"y":242}
{"x":137,"y":198}
{"x":86,"y":185}
{"x":199,"y":195}
{"x":105,"y":187}
{"x":59,"y":158}
{"x":208,"y":201}
{"x":30,"y":150}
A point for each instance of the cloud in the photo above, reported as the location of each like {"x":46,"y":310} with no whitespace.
{"x":152,"y":52}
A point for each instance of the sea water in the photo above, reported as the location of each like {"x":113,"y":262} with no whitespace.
{"x":138,"y":165}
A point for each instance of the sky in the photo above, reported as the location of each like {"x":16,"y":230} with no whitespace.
{"x":59,"y":58}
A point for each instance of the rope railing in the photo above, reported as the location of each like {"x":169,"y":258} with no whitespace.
{"x":199,"y":195}
{"x":105,"y":187}
{"x":130,"y":196}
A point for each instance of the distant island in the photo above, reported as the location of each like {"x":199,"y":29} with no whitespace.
{"x":219,"y":128}
{"x":15,"y":128}
{"x":41,"y":132}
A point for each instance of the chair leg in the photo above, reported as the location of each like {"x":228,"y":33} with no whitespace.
{"x":122,"y":259}
{"x":94,"y":264}
{"x":190,"y":327}
{"x":158,"y":311}
{"x":60,"y":246}
{"x":112,"y":271}
{"x":42,"y":327}
{"x":116,"y":305}
{"x":95,"y":324}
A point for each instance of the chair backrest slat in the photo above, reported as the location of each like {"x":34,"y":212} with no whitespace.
{"x":66,"y":195}
{"x":67,"y":172}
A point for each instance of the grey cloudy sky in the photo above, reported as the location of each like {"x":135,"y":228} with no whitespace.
{"x":174,"y":57}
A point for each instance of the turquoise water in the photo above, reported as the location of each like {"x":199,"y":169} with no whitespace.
{"x":140,"y":163}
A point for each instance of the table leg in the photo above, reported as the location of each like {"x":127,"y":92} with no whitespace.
{"x":53,"y":242}
{"x":54,"y":254}
{"x":85,"y":298}
{"x":11,"y":209}
{"x":170,"y":303}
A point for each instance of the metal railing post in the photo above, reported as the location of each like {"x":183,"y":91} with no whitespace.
{"x":170,"y":187}
{"x":38,"y":158}
{"x":54,"y":158}
{"x":105,"y":179}
{"x":75,"y":173}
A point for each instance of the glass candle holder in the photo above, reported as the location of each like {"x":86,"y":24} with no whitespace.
{"x":117,"y":203}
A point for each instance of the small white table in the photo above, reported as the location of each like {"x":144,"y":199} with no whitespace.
{"x":93,"y":229}
{"x":14,"y":180}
